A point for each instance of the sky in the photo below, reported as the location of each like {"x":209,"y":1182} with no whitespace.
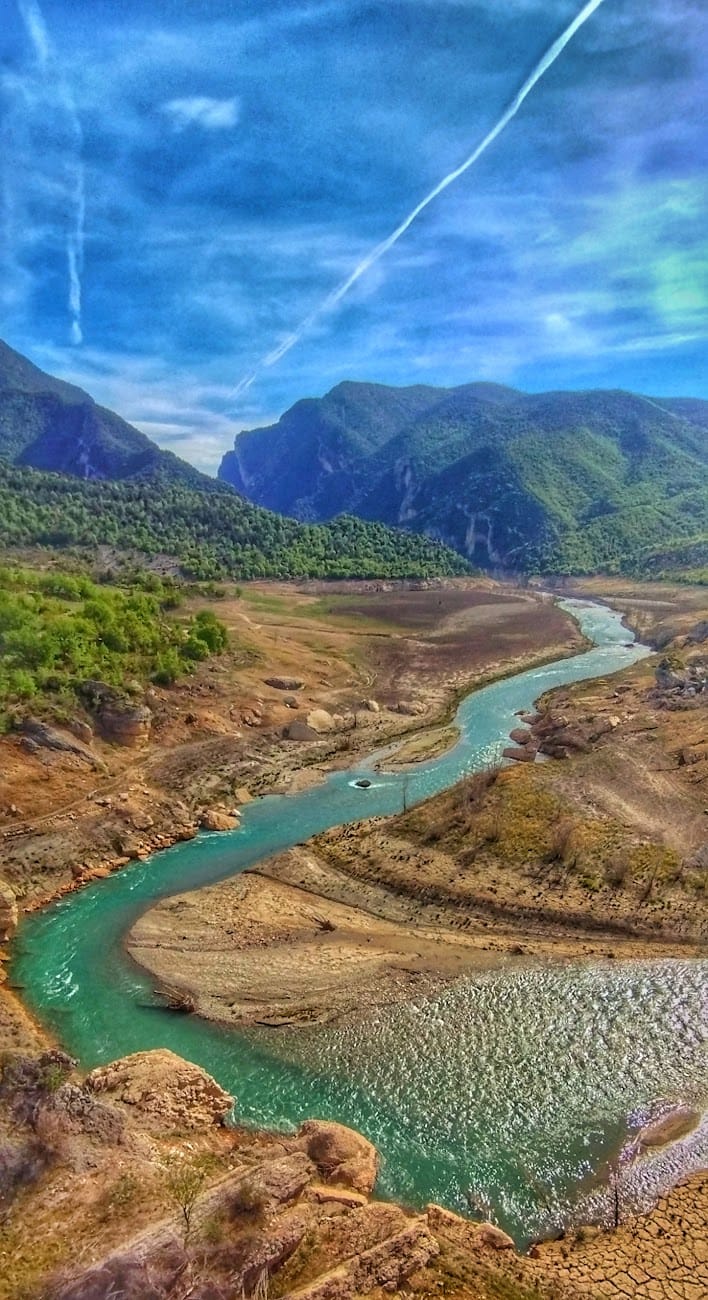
{"x":182,"y":183}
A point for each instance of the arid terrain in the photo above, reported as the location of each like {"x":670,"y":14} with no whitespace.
{"x":74,"y":811}
{"x":126,"y":1184}
{"x":601,"y":849}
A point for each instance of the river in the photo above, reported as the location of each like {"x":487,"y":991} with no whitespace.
{"x":511,"y":1089}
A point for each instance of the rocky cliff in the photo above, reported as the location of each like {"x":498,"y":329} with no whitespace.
{"x":571,"y":481}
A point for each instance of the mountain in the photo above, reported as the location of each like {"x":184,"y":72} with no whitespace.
{"x":562,"y":481}
{"x":212,"y":534}
{"x":110,"y":485}
{"x":51,"y":425}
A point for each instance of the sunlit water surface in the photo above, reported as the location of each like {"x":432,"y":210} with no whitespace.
{"x":510,"y":1091}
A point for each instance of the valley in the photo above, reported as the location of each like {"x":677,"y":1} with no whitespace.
{"x":313,"y":806}
{"x":461,"y":1257}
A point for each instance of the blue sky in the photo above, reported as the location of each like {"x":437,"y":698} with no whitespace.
{"x":184,"y":182}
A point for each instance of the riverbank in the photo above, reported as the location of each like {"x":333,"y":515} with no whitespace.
{"x":302,"y":941}
{"x":598,"y":852}
{"x":460,"y":1226}
{"x":295,"y":1213}
{"x":367,"y":666}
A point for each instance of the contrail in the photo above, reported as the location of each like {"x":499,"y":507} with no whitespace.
{"x":335,"y":297}
{"x":36,"y":29}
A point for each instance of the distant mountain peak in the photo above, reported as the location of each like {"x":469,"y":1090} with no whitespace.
{"x":568,"y":479}
{"x":49,"y":424}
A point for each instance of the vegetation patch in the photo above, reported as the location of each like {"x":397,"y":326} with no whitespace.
{"x":58,"y":630}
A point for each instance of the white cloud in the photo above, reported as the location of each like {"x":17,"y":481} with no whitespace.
{"x":202,"y":110}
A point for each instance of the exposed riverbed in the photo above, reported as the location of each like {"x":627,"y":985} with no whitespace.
{"x":511,"y":1089}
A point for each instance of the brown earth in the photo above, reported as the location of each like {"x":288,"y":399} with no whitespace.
{"x":219,"y":734}
{"x":603,"y":853}
{"x":105,"y":1193}
{"x":100,"y":1195}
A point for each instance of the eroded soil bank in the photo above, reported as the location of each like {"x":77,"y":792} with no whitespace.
{"x":598,"y":851}
{"x":365,"y":663}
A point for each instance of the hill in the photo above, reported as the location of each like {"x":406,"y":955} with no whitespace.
{"x":73,"y":473}
{"x":572,"y":482}
{"x":211,"y":534}
{"x":52,"y":425}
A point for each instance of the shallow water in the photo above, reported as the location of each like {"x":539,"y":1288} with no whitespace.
{"x":513,"y":1087}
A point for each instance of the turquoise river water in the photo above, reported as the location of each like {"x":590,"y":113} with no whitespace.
{"x":511,"y":1090}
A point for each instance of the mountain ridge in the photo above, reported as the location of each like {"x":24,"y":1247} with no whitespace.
{"x":49,"y":424}
{"x":509,"y":479}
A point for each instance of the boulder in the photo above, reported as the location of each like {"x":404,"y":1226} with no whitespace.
{"x":520,"y":736}
{"x":162,"y":1091}
{"x":411,"y":708}
{"x":299,"y":730}
{"x":123,"y":723}
{"x":9,"y":915}
{"x":527,"y":754}
{"x":285,"y":683}
{"x":341,"y":1155}
{"x":213,"y":819}
{"x":321,"y":721}
{"x":372,"y":706}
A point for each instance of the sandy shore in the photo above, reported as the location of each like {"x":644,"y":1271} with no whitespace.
{"x":299,"y":942}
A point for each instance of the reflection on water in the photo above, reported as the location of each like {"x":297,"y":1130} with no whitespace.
{"x":512,"y":1087}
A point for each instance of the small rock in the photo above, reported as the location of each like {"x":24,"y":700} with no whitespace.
{"x":214,"y":820}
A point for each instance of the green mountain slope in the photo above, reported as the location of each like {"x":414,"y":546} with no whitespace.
{"x":127,"y":493}
{"x":571,"y":482}
{"x":49,"y":424}
{"x":213,"y":534}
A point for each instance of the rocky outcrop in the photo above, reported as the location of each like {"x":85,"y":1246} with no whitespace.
{"x":81,"y":730}
{"x":474,"y":1236}
{"x":410,"y":708}
{"x":313,"y":725}
{"x":525,"y":754}
{"x":165,"y":1091}
{"x":9,"y":914}
{"x":385,"y":1265}
{"x":120,"y":720}
{"x":39,"y":735}
{"x":341,"y":1155}
{"x":125,"y":724}
{"x":554,"y":735}
{"x":213,"y":819}
{"x":679,"y":685}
